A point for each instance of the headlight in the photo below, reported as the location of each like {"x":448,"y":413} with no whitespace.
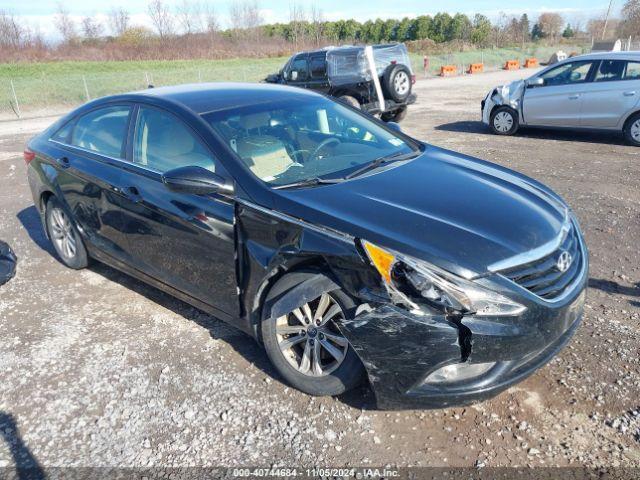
{"x":413,"y":278}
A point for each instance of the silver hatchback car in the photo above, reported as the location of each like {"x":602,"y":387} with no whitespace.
{"x":593,"y":91}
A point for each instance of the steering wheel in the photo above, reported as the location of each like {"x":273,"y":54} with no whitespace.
{"x":326,"y":142}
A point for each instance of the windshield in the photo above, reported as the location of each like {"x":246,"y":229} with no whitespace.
{"x":286,"y":142}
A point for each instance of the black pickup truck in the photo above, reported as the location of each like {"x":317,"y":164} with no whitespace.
{"x":347,"y":74}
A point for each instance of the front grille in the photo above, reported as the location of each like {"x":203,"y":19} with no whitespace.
{"x":543,"y":276}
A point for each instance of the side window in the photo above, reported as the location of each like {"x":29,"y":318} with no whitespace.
{"x":610,"y":70}
{"x":63,"y":133}
{"x":163,"y":142}
{"x":633,"y":71}
{"x":568,"y":73}
{"x":318,"y":66}
{"x":299,"y":70}
{"x":102,"y":131}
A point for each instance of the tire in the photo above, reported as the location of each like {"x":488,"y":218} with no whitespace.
{"x":349,"y":100}
{"x":334,"y":378}
{"x":396,"y":82}
{"x":632,"y":130}
{"x":64,"y":236}
{"x":395,"y":116}
{"x":504,"y":121}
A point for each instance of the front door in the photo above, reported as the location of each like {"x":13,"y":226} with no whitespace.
{"x":318,"y":79}
{"x":183,"y":240}
{"x":613,"y":93}
{"x":559,"y":101}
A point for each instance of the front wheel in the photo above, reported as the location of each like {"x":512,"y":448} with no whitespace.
{"x":307,"y":348}
{"x":504,"y":121}
{"x":632,"y":130}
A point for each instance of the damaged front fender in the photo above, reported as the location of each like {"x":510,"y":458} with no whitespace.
{"x":510,"y":95}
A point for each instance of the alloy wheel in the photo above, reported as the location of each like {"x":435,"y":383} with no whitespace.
{"x":401,"y":83}
{"x":62,"y":234}
{"x":635,"y":131}
{"x":309,"y":339}
{"x":503,"y":122}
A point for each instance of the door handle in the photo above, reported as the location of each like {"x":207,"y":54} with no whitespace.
{"x":629,"y":94}
{"x":63,"y":162}
{"x":130,"y":193}
{"x":574,"y":97}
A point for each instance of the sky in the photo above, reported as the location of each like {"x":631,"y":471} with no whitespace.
{"x":40,"y":12}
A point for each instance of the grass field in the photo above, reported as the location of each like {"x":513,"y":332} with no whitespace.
{"x":40,"y":86}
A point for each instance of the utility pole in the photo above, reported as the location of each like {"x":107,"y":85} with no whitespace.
{"x":606,"y":20}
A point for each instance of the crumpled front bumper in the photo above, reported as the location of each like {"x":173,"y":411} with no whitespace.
{"x":400,"y":349}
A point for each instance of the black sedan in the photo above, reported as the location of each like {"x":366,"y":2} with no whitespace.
{"x":351,"y":251}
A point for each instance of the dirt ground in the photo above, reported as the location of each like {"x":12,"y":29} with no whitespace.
{"x":97,"y":369}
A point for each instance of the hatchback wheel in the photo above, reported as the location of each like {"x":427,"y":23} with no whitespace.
{"x":307,"y":348}
{"x":504,"y":121}
{"x":632,"y":130}
{"x":64,"y":236}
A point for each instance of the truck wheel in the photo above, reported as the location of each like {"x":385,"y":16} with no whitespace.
{"x":349,"y":100}
{"x":308,"y":349}
{"x":632,"y":130}
{"x":504,"y":121}
{"x":397,"y":82}
{"x":395,"y":116}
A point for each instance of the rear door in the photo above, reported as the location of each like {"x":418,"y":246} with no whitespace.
{"x":185,"y":241}
{"x":613,"y":94}
{"x":89,"y":154}
{"x":318,"y":79}
{"x":559,"y":101}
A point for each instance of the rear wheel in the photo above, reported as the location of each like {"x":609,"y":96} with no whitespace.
{"x":395,"y":116}
{"x":64,"y":236}
{"x":632,"y":130}
{"x":504,"y":121}
{"x":349,"y":100}
{"x":307,"y":348}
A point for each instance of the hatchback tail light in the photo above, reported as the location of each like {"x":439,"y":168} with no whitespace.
{"x":29,"y":155}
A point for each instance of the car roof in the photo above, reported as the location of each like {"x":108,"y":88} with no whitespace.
{"x":209,"y":97}
{"x":629,"y":55}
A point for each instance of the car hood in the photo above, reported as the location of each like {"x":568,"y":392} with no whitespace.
{"x":454,"y":211}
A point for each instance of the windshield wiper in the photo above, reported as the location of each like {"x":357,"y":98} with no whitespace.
{"x":378,"y":162}
{"x":310,"y":182}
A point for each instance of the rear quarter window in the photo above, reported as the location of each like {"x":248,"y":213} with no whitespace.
{"x":633,"y":71}
{"x":103,"y":131}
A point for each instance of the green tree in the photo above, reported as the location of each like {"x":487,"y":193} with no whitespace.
{"x":568,"y":32}
{"x":423,"y":27}
{"x":460,"y":28}
{"x":537,"y":33}
{"x":389,"y":31}
{"x":481,"y":29}
{"x":525,"y":27}
{"x":441,"y":27}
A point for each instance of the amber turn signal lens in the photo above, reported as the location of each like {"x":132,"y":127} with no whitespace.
{"x":381,"y":259}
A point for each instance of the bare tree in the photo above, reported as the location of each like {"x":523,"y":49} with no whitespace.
{"x":118,"y":21}
{"x":297,"y":22}
{"x":91,"y":29}
{"x":244,"y":15}
{"x":12,"y":34}
{"x":551,"y":24}
{"x":191,"y":16}
{"x":161,"y":18}
{"x":317,"y":23}
{"x":210,"y":19}
{"x":630,"y":24}
{"x":65,"y":24}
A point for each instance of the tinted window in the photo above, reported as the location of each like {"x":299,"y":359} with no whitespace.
{"x":62,"y":135}
{"x":163,"y":142}
{"x":568,"y":73}
{"x":299,"y":70}
{"x":633,"y":71}
{"x":610,"y":70}
{"x":318,"y":67}
{"x":103,"y":131}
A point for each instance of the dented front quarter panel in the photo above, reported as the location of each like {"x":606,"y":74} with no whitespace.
{"x":510,"y":95}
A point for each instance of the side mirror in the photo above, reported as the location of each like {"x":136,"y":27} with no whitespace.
{"x":535,"y":82}
{"x":196,"y":180}
{"x":394,"y":126}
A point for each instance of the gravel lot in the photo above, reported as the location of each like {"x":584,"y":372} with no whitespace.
{"x":97,"y":369}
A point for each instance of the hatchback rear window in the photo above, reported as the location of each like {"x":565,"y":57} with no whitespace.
{"x":102,"y":131}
